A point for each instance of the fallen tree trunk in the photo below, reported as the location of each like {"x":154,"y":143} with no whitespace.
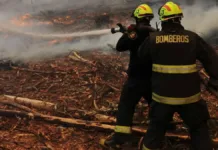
{"x":38,"y":104}
{"x":31,"y":102}
{"x":38,"y":71}
{"x":55,"y":107}
{"x":27,"y":109}
{"x":48,"y":106}
{"x":78,"y":122}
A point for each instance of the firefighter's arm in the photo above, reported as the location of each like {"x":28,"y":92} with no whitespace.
{"x":123,"y":43}
{"x":127,"y":40}
{"x":209,"y":59}
{"x":144,"y":51}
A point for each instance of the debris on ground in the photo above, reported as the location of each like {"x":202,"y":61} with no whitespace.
{"x":71,"y":102}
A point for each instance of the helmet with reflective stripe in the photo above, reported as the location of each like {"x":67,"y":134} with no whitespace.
{"x":170,"y":10}
{"x":143,"y":11}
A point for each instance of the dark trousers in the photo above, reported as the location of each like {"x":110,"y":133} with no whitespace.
{"x":194,"y":115}
{"x":133,"y":90}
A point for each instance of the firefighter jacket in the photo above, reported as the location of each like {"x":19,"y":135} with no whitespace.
{"x":173,"y":52}
{"x":131,"y":40}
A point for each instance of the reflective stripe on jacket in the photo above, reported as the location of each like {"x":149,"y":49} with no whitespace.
{"x":175,"y":100}
{"x":174,"y":69}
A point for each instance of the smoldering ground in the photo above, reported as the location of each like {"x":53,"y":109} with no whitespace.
{"x":19,"y":46}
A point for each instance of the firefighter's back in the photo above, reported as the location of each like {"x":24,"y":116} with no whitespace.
{"x":174,"y":65}
{"x":175,"y":79}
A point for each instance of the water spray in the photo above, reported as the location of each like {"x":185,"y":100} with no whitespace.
{"x":68,"y":35}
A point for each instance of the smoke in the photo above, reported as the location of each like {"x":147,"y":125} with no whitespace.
{"x":201,"y":18}
{"x":41,"y":50}
{"x":19,"y":47}
{"x":35,"y":6}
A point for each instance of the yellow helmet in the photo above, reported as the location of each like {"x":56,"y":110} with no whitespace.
{"x":170,"y":10}
{"x":143,"y":11}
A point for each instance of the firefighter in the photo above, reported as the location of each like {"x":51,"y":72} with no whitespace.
{"x":175,"y":79}
{"x":138,"y":82}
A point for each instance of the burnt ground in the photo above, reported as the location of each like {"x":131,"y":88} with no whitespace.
{"x":91,"y":83}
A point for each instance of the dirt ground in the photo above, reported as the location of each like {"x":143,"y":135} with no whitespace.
{"x":90,"y":81}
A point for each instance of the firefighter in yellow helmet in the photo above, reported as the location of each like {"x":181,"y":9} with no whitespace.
{"x":138,"y":82}
{"x":143,"y":12}
{"x":175,"y":79}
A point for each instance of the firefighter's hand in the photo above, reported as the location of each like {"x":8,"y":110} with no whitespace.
{"x":132,"y":32}
{"x":122,"y":28}
{"x":131,"y":28}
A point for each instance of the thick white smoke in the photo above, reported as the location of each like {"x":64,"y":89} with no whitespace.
{"x":17,"y":49}
{"x":201,"y":18}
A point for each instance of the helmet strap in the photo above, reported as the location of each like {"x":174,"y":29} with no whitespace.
{"x":174,"y":20}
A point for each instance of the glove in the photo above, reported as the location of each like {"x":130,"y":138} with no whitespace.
{"x":131,"y":28}
{"x":122,"y":28}
{"x":132,"y":32}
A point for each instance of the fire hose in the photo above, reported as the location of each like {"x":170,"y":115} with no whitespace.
{"x":213,"y":122}
{"x":206,"y":81}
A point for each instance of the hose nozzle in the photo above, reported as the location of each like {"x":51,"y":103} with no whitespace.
{"x":121,"y":29}
{"x":115,"y":30}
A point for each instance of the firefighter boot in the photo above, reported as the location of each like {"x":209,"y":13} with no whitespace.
{"x":141,"y":145}
{"x":115,"y":141}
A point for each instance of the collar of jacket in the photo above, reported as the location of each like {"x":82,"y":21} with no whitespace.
{"x":171,"y":27}
{"x":145,"y":27}
{"x":143,"y":24}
